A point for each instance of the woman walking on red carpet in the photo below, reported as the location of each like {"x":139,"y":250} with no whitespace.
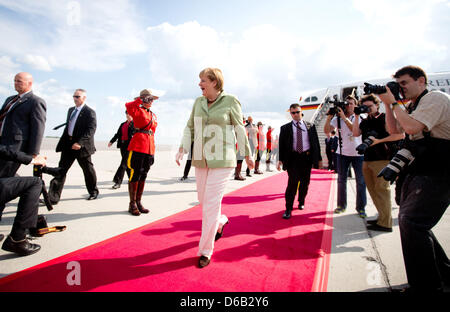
{"x":216,"y":125}
{"x":141,"y":149}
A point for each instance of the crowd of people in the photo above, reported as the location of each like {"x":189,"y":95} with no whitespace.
{"x":358,"y":134}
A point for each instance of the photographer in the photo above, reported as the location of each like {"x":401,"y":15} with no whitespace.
{"x":346,"y":154}
{"x":28,"y":189}
{"x":376,"y":156}
{"x":425,"y":193}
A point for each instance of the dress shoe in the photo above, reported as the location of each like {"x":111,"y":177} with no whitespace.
{"x":372,"y":221}
{"x":116,"y":186}
{"x":203,"y":261}
{"x":219,"y":235}
{"x":376,"y":227}
{"x":287,"y":215}
{"x":183,"y":178}
{"x":93,"y":196}
{"x":22,"y":248}
{"x":301,"y":207}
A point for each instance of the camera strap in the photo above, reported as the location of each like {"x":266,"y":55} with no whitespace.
{"x":411,"y":108}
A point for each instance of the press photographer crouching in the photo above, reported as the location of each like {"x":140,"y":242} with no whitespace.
{"x":29,"y":190}
{"x":425,"y":193}
{"x":377,"y":150}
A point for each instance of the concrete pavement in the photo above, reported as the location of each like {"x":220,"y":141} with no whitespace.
{"x":360,"y":261}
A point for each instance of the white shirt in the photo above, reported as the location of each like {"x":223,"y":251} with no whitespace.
{"x":72,"y":122}
{"x":349,"y":142}
{"x":305,"y":136}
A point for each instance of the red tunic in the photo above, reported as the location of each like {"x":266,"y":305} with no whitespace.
{"x":143,"y":120}
{"x":269,"y":139}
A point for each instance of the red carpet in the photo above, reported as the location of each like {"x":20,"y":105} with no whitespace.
{"x":259,"y":251}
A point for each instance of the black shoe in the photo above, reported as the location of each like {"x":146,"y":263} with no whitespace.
{"x":219,"y":235}
{"x":287,"y":215}
{"x":22,"y":248}
{"x":372,"y":221}
{"x":183,"y":178}
{"x":115,"y":186}
{"x":376,"y":227}
{"x":2,"y":237}
{"x":301,"y":207}
{"x":203,"y":261}
{"x":93,"y":196}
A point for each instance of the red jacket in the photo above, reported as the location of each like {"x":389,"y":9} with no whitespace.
{"x":143,"y":120}
{"x":269,"y":139}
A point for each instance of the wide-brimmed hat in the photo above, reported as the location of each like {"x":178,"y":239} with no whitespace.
{"x":148,"y":92}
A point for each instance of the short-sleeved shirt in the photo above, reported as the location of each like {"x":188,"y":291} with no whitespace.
{"x":434,"y":112}
{"x":349,"y":142}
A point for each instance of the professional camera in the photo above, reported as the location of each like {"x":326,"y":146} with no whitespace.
{"x":335,"y":104}
{"x":361,"y":109}
{"x":392,"y":85}
{"x":37,"y":172}
{"x":404,"y":157}
{"x":366,"y":143}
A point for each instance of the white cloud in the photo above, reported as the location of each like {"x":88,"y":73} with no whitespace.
{"x":9,"y":70}
{"x":99,"y":41}
{"x":38,"y":62}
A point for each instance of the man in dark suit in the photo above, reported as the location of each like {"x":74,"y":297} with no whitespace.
{"x":331,"y":144}
{"x":29,"y":190}
{"x":22,"y":122}
{"x":123,"y":138}
{"x":77,"y":142}
{"x":299,"y":151}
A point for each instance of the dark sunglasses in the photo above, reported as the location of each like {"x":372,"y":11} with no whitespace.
{"x":76,"y":96}
{"x":295,"y":113}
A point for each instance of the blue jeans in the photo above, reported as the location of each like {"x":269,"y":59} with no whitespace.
{"x":343,"y":163}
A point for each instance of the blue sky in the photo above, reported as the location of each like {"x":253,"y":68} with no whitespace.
{"x":271,"y":52}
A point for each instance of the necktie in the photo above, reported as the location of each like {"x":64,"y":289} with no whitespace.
{"x":74,"y":112}
{"x":5,"y":110}
{"x":299,"y":147}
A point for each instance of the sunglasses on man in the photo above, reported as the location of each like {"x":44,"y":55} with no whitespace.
{"x":295,"y":113}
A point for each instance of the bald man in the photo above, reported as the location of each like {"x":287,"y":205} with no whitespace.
{"x":22,"y":122}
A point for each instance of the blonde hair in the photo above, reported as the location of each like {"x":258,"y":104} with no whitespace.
{"x":213,"y":74}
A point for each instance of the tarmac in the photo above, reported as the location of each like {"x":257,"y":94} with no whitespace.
{"x":360,"y":261}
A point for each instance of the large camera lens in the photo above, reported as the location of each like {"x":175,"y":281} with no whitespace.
{"x":403,"y":158}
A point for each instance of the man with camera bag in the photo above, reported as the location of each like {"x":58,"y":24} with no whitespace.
{"x":376,"y":156}
{"x":425,"y":193}
{"x":29,"y":190}
{"x":342,"y":122}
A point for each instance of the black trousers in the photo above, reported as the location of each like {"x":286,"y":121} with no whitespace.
{"x":29,"y":190}
{"x":424,"y":199}
{"x":118,"y":177}
{"x":139,"y":165}
{"x":68,"y":157}
{"x":299,"y":171}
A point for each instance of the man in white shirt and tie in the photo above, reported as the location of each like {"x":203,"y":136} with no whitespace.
{"x":299,"y":151}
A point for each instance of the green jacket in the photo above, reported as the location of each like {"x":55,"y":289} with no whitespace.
{"x":215,"y":131}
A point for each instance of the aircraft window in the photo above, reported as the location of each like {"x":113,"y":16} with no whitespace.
{"x":314,"y":99}
{"x":308,"y":100}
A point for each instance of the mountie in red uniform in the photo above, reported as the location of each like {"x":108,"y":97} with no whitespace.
{"x":141,"y":150}
{"x":145,"y":123}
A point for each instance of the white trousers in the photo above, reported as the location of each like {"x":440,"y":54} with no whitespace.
{"x":210,"y":190}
